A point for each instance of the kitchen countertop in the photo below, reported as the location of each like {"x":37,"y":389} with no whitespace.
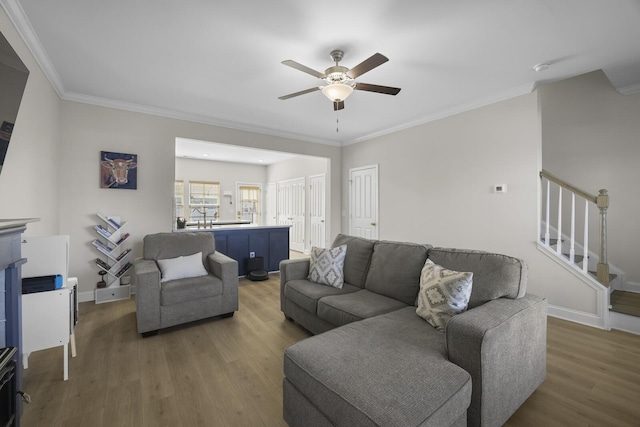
{"x":231,"y":227}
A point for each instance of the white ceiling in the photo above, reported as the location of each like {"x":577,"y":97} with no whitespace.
{"x":218,"y":61}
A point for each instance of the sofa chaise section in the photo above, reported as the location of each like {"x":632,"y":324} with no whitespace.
{"x":388,"y":370}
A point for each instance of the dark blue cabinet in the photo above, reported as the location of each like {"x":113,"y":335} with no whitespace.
{"x":11,"y":299}
{"x":272,"y":243}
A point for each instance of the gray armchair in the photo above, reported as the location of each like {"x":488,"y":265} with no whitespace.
{"x":173,"y":302}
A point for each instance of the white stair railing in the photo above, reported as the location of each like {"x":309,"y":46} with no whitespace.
{"x":601,"y":201}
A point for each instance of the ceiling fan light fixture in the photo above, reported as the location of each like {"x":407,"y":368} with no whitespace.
{"x":337,"y":92}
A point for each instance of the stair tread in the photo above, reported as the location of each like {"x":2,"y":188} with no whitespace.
{"x":611,"y":275}
{"x":576,"y":258}
{"x":625,"y":302}
{"x":552,"y":242}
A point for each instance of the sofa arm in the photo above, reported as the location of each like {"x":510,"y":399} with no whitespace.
{"x":503,"y":345}
{"x":292,"y":269}
{"x":226,"y":269}
{"x":146,"y":281}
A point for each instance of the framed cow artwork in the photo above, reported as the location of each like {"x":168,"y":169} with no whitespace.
{"x":118,"y":170}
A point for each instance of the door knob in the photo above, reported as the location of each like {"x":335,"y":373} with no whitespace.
{"x":373,"y":223}
{"x":322,"y":220}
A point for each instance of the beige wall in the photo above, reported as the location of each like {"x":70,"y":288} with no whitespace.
{"x":435,"y":186}
{"x":591,"y":138}
{"x":87,"y":129}
{"x":28,"y":182}
{"x":303,"y":166}
{"x":226,"y":173}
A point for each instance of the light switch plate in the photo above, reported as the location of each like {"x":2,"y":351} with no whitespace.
{"x":500,"y":188}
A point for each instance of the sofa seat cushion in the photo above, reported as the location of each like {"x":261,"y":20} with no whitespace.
{"x":388,"y":370}
{"x":306,"y":293}
{"x":191,"y":289}
{"x":395,"y":270}
{"x":342,"y":309}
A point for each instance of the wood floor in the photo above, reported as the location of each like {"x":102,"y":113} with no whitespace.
{"x":228,"y":372}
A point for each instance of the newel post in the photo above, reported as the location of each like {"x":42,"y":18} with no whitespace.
{"x":602,"y":201}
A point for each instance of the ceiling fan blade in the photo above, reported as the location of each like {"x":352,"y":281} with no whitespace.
{"x":338,"y":105}
{"x":302,"y":92}
{"x":367,"y":65}
{"x":303,"y":68}
{"x":388,"y":90}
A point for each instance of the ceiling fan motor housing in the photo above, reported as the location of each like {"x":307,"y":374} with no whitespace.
{"x":337,"y":74}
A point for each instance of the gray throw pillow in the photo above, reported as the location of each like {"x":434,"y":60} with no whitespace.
{"x":327,"y":266}
{"x":443,"y":294}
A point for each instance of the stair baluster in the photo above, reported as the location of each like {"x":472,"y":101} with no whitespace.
{"x":585,"y":261}
{"x":602,"y":202}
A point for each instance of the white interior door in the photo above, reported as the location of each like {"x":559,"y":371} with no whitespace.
{"x":363,"y":202}
{"x":317,"y":211}
{"x":271,"y":217}
{"x":291,"y":202}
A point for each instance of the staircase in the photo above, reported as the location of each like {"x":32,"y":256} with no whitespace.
{"x":626,"y":302}
{"x":581,"y":213}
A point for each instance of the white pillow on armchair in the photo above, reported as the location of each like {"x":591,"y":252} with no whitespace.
{"x":182,"y":267}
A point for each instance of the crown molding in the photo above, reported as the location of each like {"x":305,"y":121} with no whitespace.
{"x":629,"y":90}
{"x":189,"y":117}
{"x":492,"y":99}
{"x":22,"y":25}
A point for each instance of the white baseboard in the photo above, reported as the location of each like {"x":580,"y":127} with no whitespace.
{"x":584,"y":318}
{"x":86,"y":296}
{"x":631,"y":287}
{"x":625,"y":322}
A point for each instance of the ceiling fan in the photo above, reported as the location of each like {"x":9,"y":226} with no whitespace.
{"x":341,"y":80}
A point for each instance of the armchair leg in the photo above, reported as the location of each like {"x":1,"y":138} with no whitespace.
{"x":149,"y":334}
{"x":227,"y":315}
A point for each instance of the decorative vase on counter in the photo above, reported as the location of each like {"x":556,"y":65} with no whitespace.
{"x":181,"y":223}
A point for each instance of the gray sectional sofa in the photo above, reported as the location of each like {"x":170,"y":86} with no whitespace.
{"x":375,"y":362}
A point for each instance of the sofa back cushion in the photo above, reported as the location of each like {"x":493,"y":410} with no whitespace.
{"x":357,"y":260}
{"x":172,"y":245}
{"x":395,"y":270}
{"x":494,"y":275}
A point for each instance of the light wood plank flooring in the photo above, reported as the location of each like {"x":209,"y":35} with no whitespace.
{"x":228,"y":372}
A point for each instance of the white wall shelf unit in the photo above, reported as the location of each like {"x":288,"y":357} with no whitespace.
{"x":113,"y":259}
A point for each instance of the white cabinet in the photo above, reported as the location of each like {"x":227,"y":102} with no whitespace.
{"x":111,"y":243}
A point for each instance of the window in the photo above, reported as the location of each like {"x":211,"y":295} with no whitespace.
{"x":178,"y":199}
{"x":204,"y":201}
{"x":248,"y":203}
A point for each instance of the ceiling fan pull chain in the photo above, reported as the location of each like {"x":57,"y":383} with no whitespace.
{"x":337,"y":124}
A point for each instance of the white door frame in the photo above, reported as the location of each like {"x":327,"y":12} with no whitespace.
{"x":271,"y":204}
{"x":317,"y":211}
{"x":371,"y":227}
{"x":291,"y":210}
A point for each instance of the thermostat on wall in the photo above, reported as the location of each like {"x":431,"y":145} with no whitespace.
{"x":500,"y":188}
